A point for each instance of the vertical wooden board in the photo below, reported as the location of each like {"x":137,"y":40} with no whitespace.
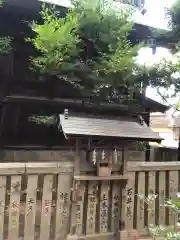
{"x":152,"y":154}
{"x":63,"y":205}
{"x":151,"y":192}
{"x":2,"y":204}
{"x":130,"y":190}
{"x":122,"y":205}
{"x":76,"y":224}
{"x":162,"y":195}
{"x":46,"y":207}
{"x":173,"y":189}
{"x":14,"y":210}
{"x":115,"y":207}
{"x":104,"y":207}
{"x":140,"y":200}
{"x":30,"y":211}
{"x":80,"y":208}
{"x":91,"y":210}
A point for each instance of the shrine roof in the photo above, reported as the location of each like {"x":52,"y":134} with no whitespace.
{"x":153,"y":105}
{"x":130,"y":128}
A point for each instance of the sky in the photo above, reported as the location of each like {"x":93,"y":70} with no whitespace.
{"x":156,"y":11}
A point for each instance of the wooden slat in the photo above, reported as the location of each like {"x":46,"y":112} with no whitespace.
{"x":104,"y":207}
{"x":63,"y":205}
{"x":123,"y":206}
{"x":79,"y":208}
{"x":46,"y":207}
{"x":140,"y":200}
{"x":2,"y":204}
{"x":13,"y":231}
{"x":115,"y":207}
{"x":151,"y":191}
{"x":30,"y":212}
{"x":130,"y":190}
{"x":91,"y":210}
{"x":173,"y":189}
{"x":162,"y":195}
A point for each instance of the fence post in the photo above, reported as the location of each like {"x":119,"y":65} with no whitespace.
{"x":73,"y":219}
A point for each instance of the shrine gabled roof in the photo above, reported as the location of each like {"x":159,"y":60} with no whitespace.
{"x":153,"y":105}
{"x":138,"y":17}
{"x":129,"y":128}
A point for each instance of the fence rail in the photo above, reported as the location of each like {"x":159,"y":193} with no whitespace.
{"x":35,"y":200}
{"x":153,"y":166}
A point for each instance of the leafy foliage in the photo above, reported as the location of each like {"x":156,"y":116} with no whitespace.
{"x":5,"y":42}
{"x":166,"y":74}
{"x":5,"y":45}
{"x":56,"y":40}
{"x":46,"y":120}
{"x":173,"y":14}
{"x":89,"y":47}
{"x":165,"y":232}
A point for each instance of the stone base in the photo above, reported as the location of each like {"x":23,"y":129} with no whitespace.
{"x":127,"y":235}
{"x":72,"y":237}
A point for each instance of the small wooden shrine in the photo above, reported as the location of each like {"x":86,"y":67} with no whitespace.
{"x":103,"y":137}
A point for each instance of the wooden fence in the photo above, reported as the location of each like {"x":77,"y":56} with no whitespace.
{"x":35,"y":200}
{"x":160,"y":178}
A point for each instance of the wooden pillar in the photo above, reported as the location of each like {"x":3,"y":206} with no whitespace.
{"x":16,"y":121}
{"x":2,"y":121}
{"x":9,"y":122}
{"x":178,"y":155}
{"x":152,"y":154}
{"x":125,"y":157}
{"x":72,"y":235}
{"x":148,"y":148}
{"x":122,"y":233}
{"x":23,"y":121}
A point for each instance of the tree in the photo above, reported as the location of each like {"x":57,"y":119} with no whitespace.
{"x":5,"y":42}
{"x":90,"y":49}
{"x":172,"y":39}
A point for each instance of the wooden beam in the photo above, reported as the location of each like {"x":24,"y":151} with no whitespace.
{"x":86,"y":103}
{"x":36,"y":99}
{"x":153,"y":166}
{"x":99,"y":236}
{"x":35,"y":168}
{"x":99,"y":178}
{"x":67,"y":167}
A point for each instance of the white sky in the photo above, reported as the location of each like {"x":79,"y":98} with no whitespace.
{"x":156,"y":11}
